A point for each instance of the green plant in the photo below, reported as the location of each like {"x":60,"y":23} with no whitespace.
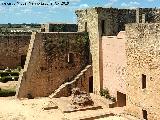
{"x":19,"y":68}
{"x":6,"y":73}
{"x":59,"y":28}
{"x":8,"y":78}
{"x":7,"y":92}
{"x":106,"y":94}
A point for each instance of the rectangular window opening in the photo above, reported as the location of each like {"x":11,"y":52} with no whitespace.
{"x":143,"y":81}
{"x":85,"y":26}
{"x":103,"y":26}
{"x":70,"y":58}
{"x":145,"y":114}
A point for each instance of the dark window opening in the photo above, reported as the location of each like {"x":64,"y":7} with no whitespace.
{"x":42,"y":68}
{"x":103,"y":26}
{"x":85,"y":26}
{"x":143,"y":81}
{"x":70,"y":59}
{"x":145,"y":114}
{"x":121,"y":99}
{"x":91,"y":84}
{"x":43,"y":30}
{"x":23,"y":59}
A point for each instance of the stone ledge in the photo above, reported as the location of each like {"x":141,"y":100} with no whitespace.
{"x":72,"y":109}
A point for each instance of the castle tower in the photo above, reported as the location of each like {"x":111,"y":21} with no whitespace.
{"x":100,"y":22}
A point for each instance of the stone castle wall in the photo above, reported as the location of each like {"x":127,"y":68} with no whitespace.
{"x":82,"y":82}
{"x":48,"y":65}
{"x":143,"y":57}
{"x":88,"y":21}
{"x":12,"y":47}
{"x":55,"y":27}
{"x":100,"y":22}
{"x":114,"y":63}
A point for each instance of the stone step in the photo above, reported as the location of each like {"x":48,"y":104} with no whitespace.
{"x":88,"y":115}
{"x":83,"y":109}
{"x":68,"y":83}
{"x":130,"y":117}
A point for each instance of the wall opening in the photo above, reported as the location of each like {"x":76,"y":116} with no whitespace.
{"x":145,"y":114}
{"x":143,"y":81}
{"x":23,"y":59}
{"x":103,"y":27}
{"x":43,"y":30}
{"x":70,"y":59}
{"x":85,"y":26}
{"x":91,"y":84}
{"x":121,"y":99}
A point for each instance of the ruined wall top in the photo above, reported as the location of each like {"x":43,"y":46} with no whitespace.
{"x":140,"y":30}
{"x":152,"y":15}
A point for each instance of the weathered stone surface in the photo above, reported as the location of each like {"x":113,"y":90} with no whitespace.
{"x":142,"y":49}
{"x":114,"y":63}
{"x":12,"y":47}
{"x":81,"y":98}
{"x":50,"y":105}
{"x":76,"y":82}
{"x":47,"y":65}
{"x":90,"y":20}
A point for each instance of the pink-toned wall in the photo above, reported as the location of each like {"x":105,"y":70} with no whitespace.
{"x":114,"y":63}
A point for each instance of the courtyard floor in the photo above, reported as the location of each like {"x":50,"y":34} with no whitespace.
{"x":33,"y":109}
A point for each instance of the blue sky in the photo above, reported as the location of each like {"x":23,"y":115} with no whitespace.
{"x":59,"y":13}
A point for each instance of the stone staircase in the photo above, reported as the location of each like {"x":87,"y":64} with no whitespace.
{"x":69,"y":83}
{"x":23,"y":71}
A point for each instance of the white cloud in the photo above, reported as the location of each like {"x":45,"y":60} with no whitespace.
{"x":131,"y":4}
{"x":26,"y":10}
{"x":124,"y":4}
{"x":113,"y":1}
{"x":110,"y":3}
{"x":150,"y":0}
{"x":2,"y":9}
{"x":74,"y":0}
{"x":83,"y":6}
{"x":134,"y":3}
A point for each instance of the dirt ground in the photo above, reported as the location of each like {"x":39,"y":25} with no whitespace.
{"x":33,"y":109}
{"x":8,"y":85}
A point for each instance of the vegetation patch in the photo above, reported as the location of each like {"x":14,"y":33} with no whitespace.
{"x":7,"y":92}
{"x":105,"y":93}
{"x":8,"y":78}
{"x":8,"y":75}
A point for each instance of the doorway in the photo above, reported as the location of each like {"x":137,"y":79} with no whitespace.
{"x":91,"y":84}
{"x":23,"y":59}
{"x":121,"y":99}
{"x":103,"y":27}
{"x":145,"y":114}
